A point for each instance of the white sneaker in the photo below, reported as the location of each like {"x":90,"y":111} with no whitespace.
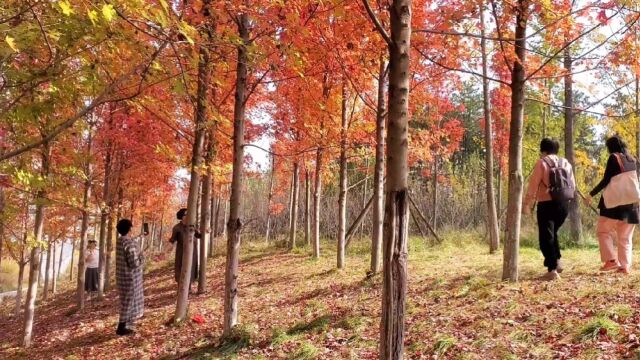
{"x":550,"y":276}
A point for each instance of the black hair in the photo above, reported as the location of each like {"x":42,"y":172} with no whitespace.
{"x":616,"y":145}
{"x":181,"y":213}
{"x":124,"y":226}
{"x":549,"y":146}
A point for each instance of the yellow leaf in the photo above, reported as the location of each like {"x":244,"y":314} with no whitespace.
{"x":93,"y":16}
{"x":108,"y":12}
{"x":65,"y":7}
{"x":11,"y":42}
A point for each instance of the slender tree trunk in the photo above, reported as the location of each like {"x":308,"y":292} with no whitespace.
{"x":21,"y":267}
{"x":269,"y":198}
{"x":575,"y":220}
{"x":514,"y":206}
{"x":234,"y":225}
{"x":47,"y":273}
{"x":307,"y":208}
{"x":434,"y":184}
{"x":378,"y":174}
{"x":215,"y":209}
{"x":73,"y":250}
{"x":60,"y":262}
{"x":294,"y":206}
{"x":111,"y":221}
{"x":365,"y":195}
{"x":84,"y":229}
{"x":394,"y":285}
{"x":291,"y":188}
{"x":317,"y":192}
{"x":225,"y":216}
{"x":54,"y":283}
{"x":492,"y":215}
{"x":217,"y":217}
{"x":104,"y":216}
{"x":205,"y":230}
{"x":184,"y":284}
{"x":342,"y":198}
{"x":34,"y":263}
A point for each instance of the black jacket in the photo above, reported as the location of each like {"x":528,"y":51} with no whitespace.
{"x":626,"y":213}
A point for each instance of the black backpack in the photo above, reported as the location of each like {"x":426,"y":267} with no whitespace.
{"x":561,"y":188}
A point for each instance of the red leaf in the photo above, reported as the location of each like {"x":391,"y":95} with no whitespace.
{"x":602,"y":17}
{"x":198,"y":319}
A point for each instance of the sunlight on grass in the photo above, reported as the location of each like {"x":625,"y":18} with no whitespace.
{"x":443,"y":345}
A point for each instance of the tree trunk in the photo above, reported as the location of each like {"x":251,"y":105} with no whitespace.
{"x":378,"y":174}
{"x":104,"y":215}
{"x":234,"y":225}
{"x":394,"y":286}
{"x":291,"y":188}
{"x":205,"y":231}
{"x":213,"y":223}
{"x":225,"y":216}
{"x":111,"y":221}
{"x":492,"y":214}
{"x":342,"y":198}
{"x":365,"y":196}
{"x":34,"y":263}
{"x":21,"y":267}
{"x":47,"y":273}
{"x":294,"y":207}
{"x":184,"y":284}
{"x":216,"y":233}
{"x":73,"y":251}
{"x":269,"y":198}
{"x":514,"y":206}
{"x":54,"y":283}
{"x":307,"y":208}
{"x":84,"y":229}
{"x":575,"y":221}
{"x":317,"y":192}
{"x":434,"y":184}
{"x":59,"y":262}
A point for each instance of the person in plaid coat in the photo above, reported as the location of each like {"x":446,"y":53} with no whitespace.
{"x":129,"y":269}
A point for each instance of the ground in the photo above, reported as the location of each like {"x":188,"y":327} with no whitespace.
{"x":292,"y":307}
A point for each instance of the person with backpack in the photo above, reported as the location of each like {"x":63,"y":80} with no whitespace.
{"x":552,"y":185}
{"x":618,"y":207}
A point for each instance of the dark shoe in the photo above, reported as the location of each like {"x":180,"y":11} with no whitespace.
{"x":122,"y":329}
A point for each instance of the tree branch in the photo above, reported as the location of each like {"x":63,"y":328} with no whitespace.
{"x":377,"y":23}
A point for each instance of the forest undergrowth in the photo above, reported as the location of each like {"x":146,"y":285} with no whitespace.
{"x":294,"y":307}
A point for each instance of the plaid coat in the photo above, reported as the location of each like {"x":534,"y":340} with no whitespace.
{"x":129,"y":268}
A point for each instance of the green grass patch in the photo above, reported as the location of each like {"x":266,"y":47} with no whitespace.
{"x":596,"y":327}
{"x":318,"y":324}
{"x":617,"y":312}
{"x":306,"y":351}
{"x":241,"y":337}
{"x":279,"y":336}
{"x":444,"y":344}
{"x":352,"y":323}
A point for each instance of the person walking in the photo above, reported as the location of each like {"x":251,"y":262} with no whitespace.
{"x":552,"y":185}
{"x":618,"y":207}
{"x":129,"y":269}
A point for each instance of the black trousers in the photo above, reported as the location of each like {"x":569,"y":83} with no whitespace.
{"x":551,"y":216}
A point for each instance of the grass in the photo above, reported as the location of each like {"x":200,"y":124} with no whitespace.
{"x":598,"y":326}
{"x":306,"y":351}
{"x":443,"y":345}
